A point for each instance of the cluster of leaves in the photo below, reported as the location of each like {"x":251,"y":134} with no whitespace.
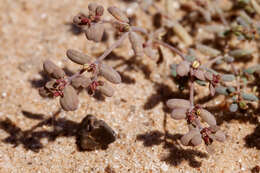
{"x":146,"y":43}
{"x":182,"y":109}
{"x":65,"y":86}
{"x":93,"y":25}
{"x":232,"y":85}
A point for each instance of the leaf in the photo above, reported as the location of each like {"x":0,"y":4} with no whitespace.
{"x":109,"y":74}
{"x":196,"y":140}
{"x":233,"y":107}
{"x":185,"y":139}
{"x":251,"y":70}
{"x":69,"y":101}
{"x":208,"y":50}
{"x":150,"y":52}
{"x":229,"y":59}
{"x":221,"y":90}
{"x":200,"y":82}
{"x":80,"y":82}
{"x":207,"y":117}
{"x":228,"y":77}
{"x":52,"y":70}
{"x":78,"y":57}
{"x":249,"y":97}
{"x":95,"y":32}
{"x":118,"y":14}
{"x":136,"y":43}
{"x":199,"y":74}
{"x":178,"y":103}
{"x":231,"y":89}
{"x":240,"y":53}
{"x":106,"y":89}
{"x":179,"y":113}
{"x":183,"y":68}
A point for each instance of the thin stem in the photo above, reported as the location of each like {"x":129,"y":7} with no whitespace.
{"x":111,"y":48}
{"x":237,"y":77}
{"x":238,"y":84}
{"x":69,"y":79}
{"x":139,"y":29}
{"x":175,"y":50}
{"x":211,"y":62}
{"x":192,"y":93}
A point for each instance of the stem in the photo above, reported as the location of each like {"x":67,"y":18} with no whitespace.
{"x":237,"y":77}
{"x":210,"y":63}
{"x":69,"y":79}
{"x":175,"y":50}
{"x":139,"y":29}
{"x":238,"y":84}
{"x":111,"y":48}
{"x":192,"y":93}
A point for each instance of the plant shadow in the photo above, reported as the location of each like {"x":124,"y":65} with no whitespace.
{"x":253,"y":140}
{"x":176,"y":154}
{"x":162,"y":93}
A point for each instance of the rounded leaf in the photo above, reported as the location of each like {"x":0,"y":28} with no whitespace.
{"x":240,"y":53}
{"x":44,"y":92}
{"x":78,"y":57}
{"x":221,"y":90}
{"x":200,"y":82}
{"x":208,"y":117}
{"x":209,"y":76}
{"x":92,"y":6}
{"x":196,"y":140}
{"x":109,"y":74}
{"x":106,"y":89}
{"x":228,"y":77}
{"x":80,"y":82}
{"x":150,"y":52}
{"x":136,"y":43}
{"x":179,"y":113}
{"x":178,"y":103}
{"x":183,"y":68}
{"x":52,"y":70}
{"x":233,"y":107}
{"x":199,"y":74}
{"x":69,"y":101}
{"x":207,"y":50}
{"x":252,"y":70}
{"x":229,"y":59}
{"x":185,"y":139}
{"x":231,"y":89}
{"x":249,"y":97}
{"x":118,"y":14}
{"x":95,"y":32}
{"x":99,"y":10}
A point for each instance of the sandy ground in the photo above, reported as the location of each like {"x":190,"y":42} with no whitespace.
{"x":148,"y":140}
